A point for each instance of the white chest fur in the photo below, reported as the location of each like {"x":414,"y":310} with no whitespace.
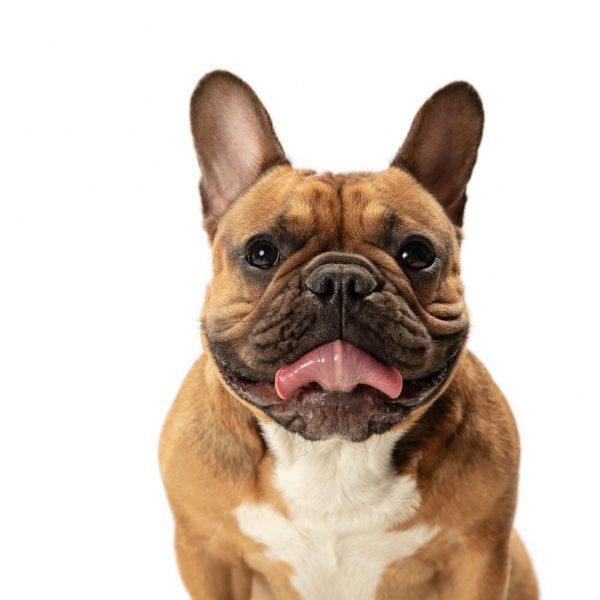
{"x":343,"y":498}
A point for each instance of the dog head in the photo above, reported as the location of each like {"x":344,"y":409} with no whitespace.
{"x":336,"y":306}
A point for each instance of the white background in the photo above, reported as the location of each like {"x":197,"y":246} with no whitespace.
{"x":104,"y":262}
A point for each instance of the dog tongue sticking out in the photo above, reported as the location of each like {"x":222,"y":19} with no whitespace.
{"x":337,"y":367}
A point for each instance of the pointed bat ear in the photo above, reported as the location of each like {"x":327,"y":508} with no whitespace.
{"x":234,"y":138}
{"x":441,"y":147}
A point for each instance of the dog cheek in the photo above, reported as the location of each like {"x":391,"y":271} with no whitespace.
{"x":445,"y":348}
{"x":384,"y":326}
{"x":426,"y":287}
{"x":281,"y":333}
{"x":273,"y":332}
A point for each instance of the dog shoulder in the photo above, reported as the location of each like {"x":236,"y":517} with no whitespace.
{"x":468,"y":452}
{"x":209,"y":445}
{"x":490,"y":418}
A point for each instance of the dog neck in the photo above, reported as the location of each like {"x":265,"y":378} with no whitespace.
{"x":340,"y":481}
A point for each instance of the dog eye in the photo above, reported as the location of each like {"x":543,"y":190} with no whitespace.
{"x":262,"y":254}
{"x":416,"y":256}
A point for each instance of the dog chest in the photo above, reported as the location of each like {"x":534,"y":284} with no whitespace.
{"x":342,"y":499}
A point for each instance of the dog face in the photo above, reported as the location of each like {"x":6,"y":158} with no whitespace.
{"x":310,"y":269}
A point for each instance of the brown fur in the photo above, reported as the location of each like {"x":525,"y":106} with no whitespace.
{"x":462,"y":448}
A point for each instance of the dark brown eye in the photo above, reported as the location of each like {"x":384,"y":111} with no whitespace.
{"x":416,"y":256}
{"x":262,"y":254}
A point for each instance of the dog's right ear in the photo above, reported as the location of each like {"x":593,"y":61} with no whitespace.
{"x":234,"y":138}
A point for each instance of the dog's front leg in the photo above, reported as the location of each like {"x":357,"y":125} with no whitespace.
{"x":478,"y":574}
{"x":206,"y":576}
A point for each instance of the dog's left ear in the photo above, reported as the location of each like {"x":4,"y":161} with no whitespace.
{"x":234,"y":138}
{"x":441,"y":147}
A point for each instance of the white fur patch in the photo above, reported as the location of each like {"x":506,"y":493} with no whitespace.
{"x":342,"y":498}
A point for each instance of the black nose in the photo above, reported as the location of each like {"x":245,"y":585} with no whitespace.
{"x":344,"y":275}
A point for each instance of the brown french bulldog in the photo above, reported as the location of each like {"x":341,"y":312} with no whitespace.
{"x":337,"y":440}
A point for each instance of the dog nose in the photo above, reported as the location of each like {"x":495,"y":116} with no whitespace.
{"x":332,"y":279}
{"x":344,"y":275}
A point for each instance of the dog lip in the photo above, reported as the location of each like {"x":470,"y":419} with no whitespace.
{"x":264,"y":395}
{"x":317,"y":414}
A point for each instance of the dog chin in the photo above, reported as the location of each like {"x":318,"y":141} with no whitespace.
{"x":318,"y":414}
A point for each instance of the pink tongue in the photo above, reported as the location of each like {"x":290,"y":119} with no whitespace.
{"x":339,"y":367}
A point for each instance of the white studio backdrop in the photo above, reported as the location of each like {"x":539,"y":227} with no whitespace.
{"x":104,"y":262}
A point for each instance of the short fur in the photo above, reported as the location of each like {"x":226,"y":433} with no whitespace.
{"x":335,"y":495}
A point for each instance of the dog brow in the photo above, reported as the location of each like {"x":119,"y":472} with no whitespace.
{"x":386,"y":232}
{"x":294,"y":226}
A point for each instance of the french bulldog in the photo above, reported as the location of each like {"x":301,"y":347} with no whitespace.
{"x":337,"y":440}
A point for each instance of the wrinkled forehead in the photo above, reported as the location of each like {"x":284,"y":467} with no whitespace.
{"x":340,"y":208}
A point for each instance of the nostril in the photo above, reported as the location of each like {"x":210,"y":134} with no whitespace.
{"x":323,"y":286}
{"x":363,"y":286}
{"x":358,"y":281}
{"x":320,"y":283}
{"x":327,"y":287}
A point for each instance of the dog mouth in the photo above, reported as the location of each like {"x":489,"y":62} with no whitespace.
{"x":338,"y":389}
{"x":337,"y":367}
